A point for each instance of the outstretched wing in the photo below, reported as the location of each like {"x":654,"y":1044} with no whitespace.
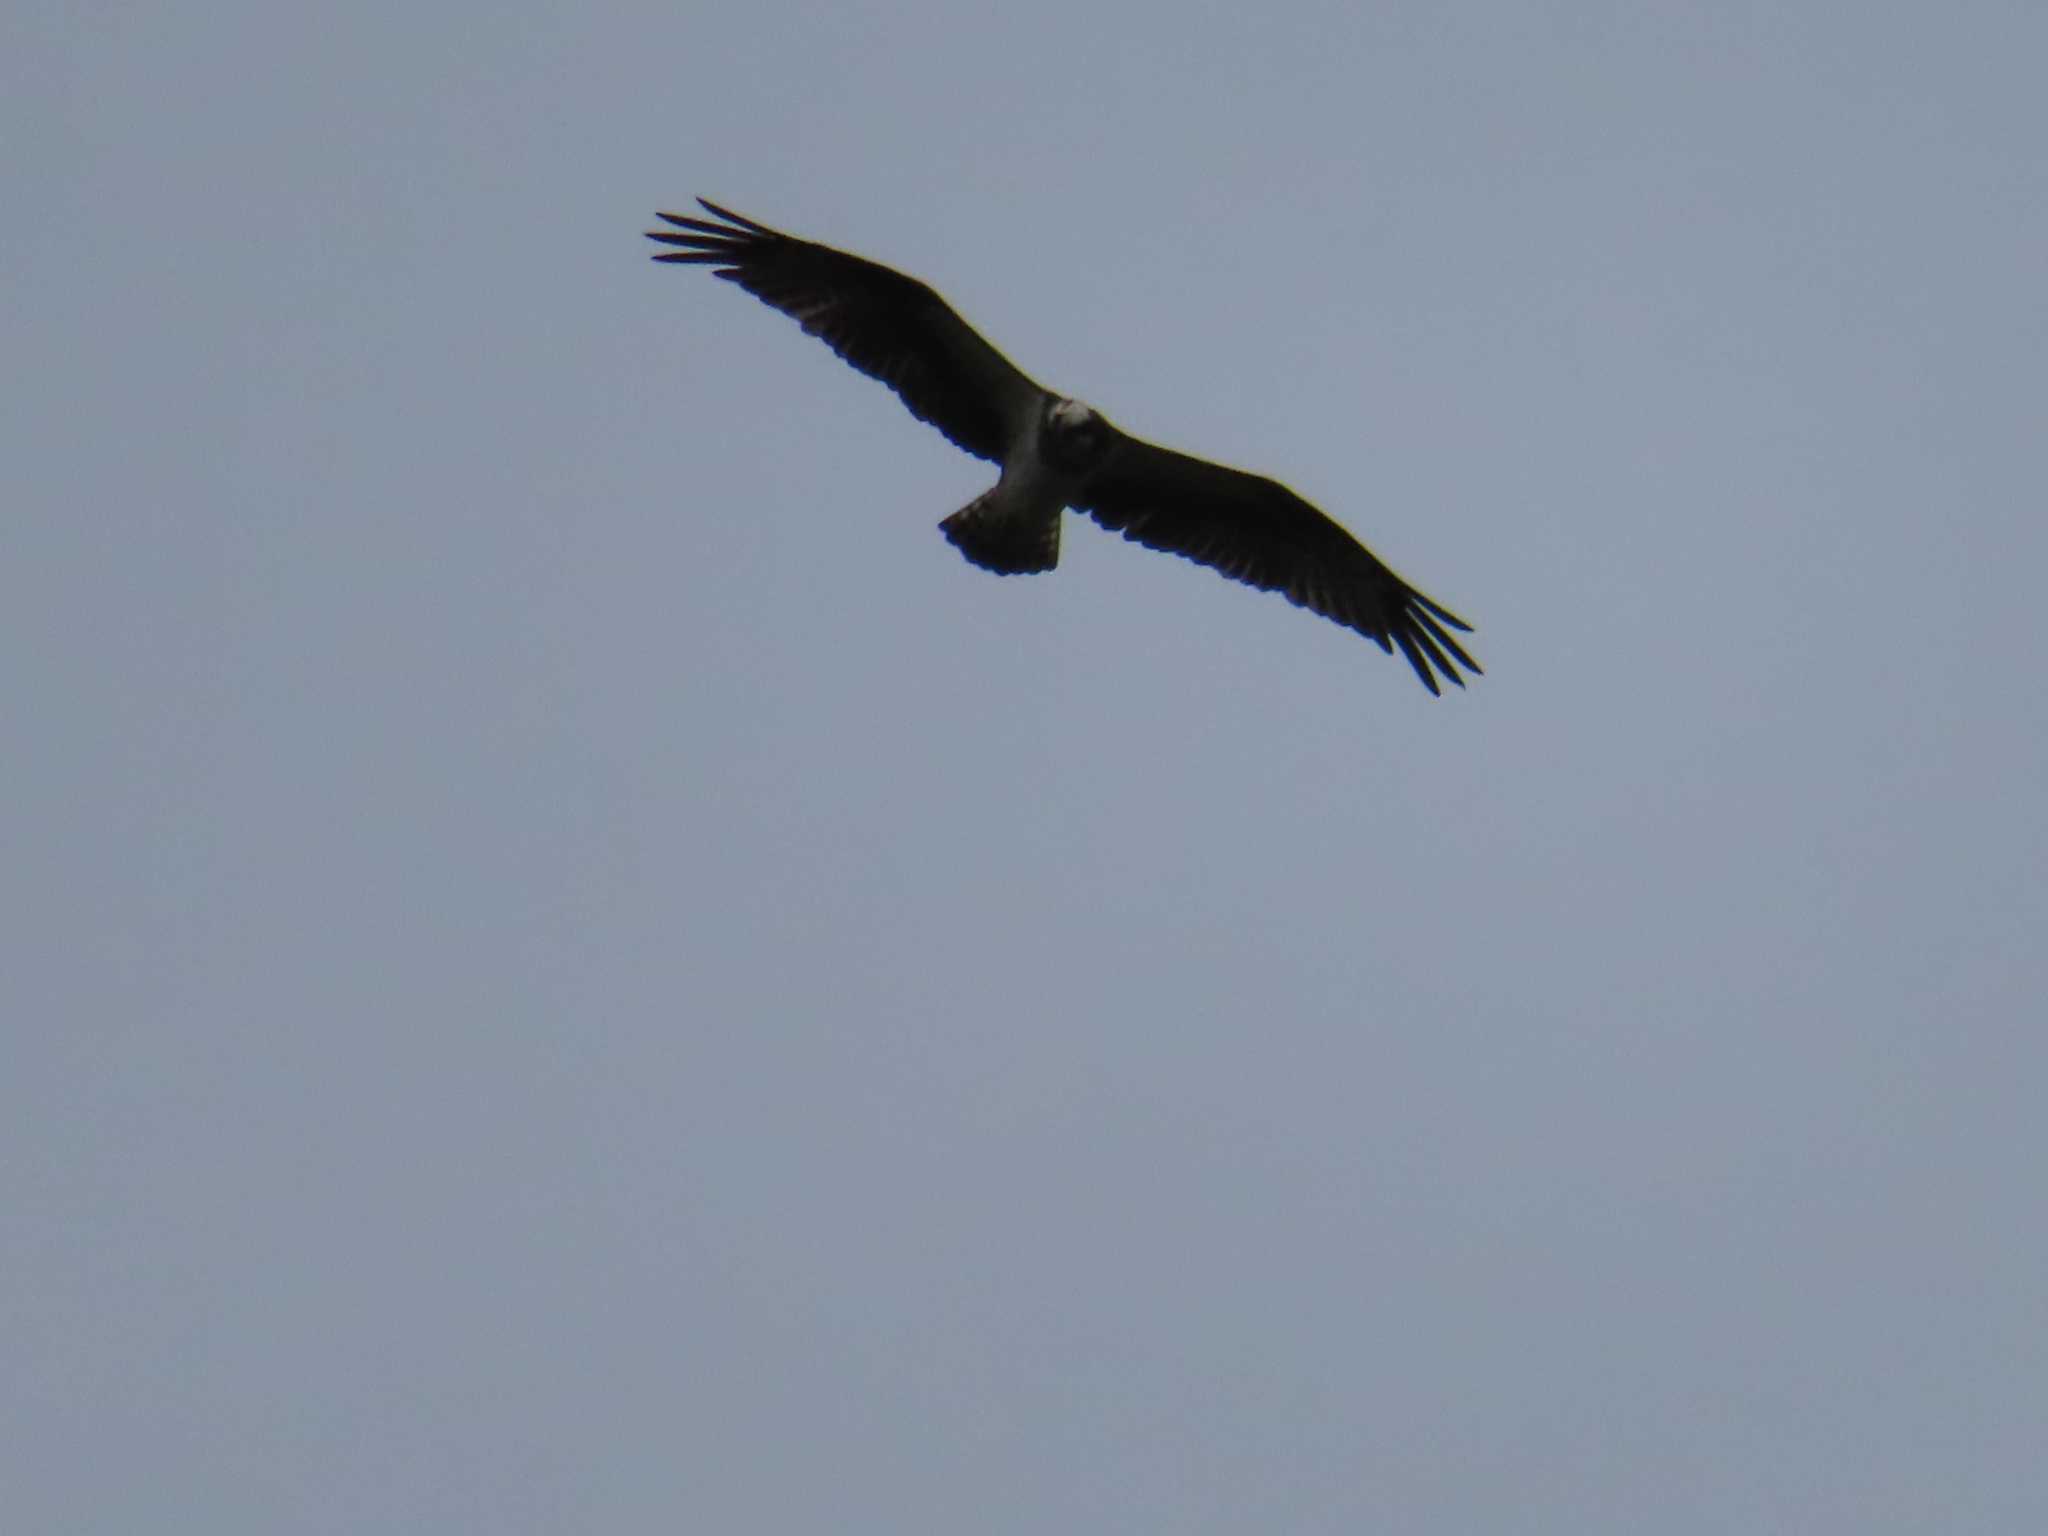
{"x":889,"y":326}
{"x":1257,"y":531}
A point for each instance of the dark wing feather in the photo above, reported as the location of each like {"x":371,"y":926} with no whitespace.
{"x":1257,"y":531}
{"x":889,"y":326}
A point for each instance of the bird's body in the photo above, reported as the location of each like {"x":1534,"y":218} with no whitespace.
{"x":1057,"y":453}
{"x":1014,"y":526}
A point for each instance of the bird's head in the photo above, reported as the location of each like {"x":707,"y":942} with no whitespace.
{"x":1073,"y":436}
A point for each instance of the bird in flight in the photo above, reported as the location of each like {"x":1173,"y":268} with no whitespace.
{"x":1057,"y":453}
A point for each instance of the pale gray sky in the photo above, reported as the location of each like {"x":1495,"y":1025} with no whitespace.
{"x":569,"y":965}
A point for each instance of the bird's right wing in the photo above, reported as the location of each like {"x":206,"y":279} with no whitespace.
{"x":889,"y":326}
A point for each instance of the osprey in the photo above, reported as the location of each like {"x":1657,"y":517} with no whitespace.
{"x":1057,"y":453}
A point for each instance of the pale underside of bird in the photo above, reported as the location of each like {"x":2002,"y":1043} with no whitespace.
{"x":1057,"y":453}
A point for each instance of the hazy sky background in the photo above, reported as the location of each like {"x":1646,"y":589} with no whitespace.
{"x":570,"y":966}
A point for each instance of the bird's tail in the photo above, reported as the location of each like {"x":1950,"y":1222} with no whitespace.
{"x":1006,"y":540}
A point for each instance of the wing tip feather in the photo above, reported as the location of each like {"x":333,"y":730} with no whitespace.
{"x":733,"y":218}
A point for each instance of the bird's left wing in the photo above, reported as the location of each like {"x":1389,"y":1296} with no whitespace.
{"x":1256,"y":531}
{"x":889,"y":326}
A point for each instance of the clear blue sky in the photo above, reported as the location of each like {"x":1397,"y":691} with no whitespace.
{"x":569,"y":965}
